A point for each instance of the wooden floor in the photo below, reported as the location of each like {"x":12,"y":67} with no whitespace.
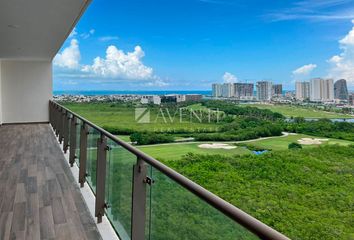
{"x":38,"y":195}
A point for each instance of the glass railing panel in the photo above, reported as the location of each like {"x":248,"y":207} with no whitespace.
{"x":119,"y":173}
{"x":78,"y":135}
{"x":176,"y":213}
{"x":91,"y":162}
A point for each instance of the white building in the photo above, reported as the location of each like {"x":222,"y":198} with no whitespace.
{"x":315,"y":89}
{"x":302,"y":90}
{"x":321,"y":90}
{"x":180,"y":98}
{"x":227,"y":90}
{"x":154,"y":99}
{"x":327,"y":90}
{"x":264,"y":90}
{"x":216,"y":87}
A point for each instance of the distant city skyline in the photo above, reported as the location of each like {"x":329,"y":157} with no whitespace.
{"x":320,"y":90}
{"x":157,"y":45}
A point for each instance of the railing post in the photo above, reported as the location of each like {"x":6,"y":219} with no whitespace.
{"x":66,"y":119}
{"x":59,"y":121}
{"x":61,"y":124}
{"x":52,"y":118}
{"x":72,"y":145}
{"x":101,"y":177}
{"x":139,"y":200}
{"x":50,"y":114}
{"x":57,"y":114}
{"x":83,"y":154}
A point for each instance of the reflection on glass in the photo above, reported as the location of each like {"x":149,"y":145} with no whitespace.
{"x":176,"y":213}
{"x":119,"y":175}
{"x":91,"y":162}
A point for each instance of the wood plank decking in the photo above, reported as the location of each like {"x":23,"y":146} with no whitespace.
{"x":38,"y":195}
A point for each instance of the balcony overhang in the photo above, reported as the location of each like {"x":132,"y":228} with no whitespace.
{"x":36,"y":29}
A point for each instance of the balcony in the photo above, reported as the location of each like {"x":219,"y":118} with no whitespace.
{"x":40,"y":198}
{"x":143,"y":198}
{"x":60,"y":173}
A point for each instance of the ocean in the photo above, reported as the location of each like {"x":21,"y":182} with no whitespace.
{"x":107,"y":92}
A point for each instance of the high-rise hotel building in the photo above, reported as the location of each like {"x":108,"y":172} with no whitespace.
{"x":225,"y":90}
{"x":321,"y":90}
{"x":277,"y":90}
{"x":216,"y":87}
{"x":243,"y":90}
{"x":264,"y":90}
{"x":341,"y":90}
{"x":302,"y":91}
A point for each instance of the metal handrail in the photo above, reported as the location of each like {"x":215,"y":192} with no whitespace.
{"x":252,"y":224}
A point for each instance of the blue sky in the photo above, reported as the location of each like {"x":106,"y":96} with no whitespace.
{"x":189,"y":44}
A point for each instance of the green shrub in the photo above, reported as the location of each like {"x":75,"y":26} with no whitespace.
{"x":150,"y":138}
{"x":294,"y":145}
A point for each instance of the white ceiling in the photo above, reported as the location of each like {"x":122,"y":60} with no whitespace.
{"x":36,"y":29}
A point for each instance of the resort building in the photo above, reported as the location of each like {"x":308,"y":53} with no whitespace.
{"x":264,"y":91}
{"x":243,"y":91}
{"x":170,"y":98}
{"x":193,"y":97}
{"x":227,"y":90}
{"x":321,"y":90}
{"x":277,"y":90}
{"x":316,"y":85}
{"x":327,"y":90}
{"x":341,"y":90}
{"x":153,"y":99}
{"x":302,"y":91}
{"x":216,"y":89}
{"x":351,"y":99}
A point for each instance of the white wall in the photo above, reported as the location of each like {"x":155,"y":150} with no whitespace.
{"x":26,"y":88}
{"x":0,"y":97}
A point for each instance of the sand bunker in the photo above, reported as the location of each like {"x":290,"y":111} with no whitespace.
{"x":312,"y":141}
{"x":216,"y":146}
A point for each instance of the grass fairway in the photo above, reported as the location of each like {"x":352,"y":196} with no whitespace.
{"x":297,"y":111}
{"x":281,"y":143}
{"x":176,"y":151}
{"x":123,"y":116}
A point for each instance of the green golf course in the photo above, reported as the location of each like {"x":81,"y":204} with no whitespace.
{"x":175,"y":151}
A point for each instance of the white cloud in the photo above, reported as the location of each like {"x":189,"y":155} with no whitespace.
{"x":88,"y":34}
{"x":116,"y":65}
{"x":69,"y":57}
{"x":108,"y":38}
{"x":229,"y":78}
{"x":157,"y":83}
{"x":314,"y":10}
{"x":304,"y":70}
{"x":119,"y":65}
{"x":342,"y":65}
